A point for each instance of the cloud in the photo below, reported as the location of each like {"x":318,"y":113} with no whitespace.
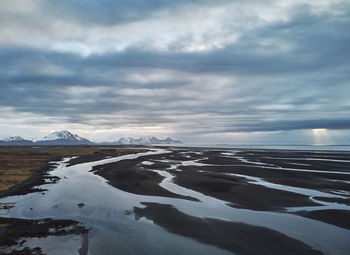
{"x":111,"y":12}
{"x":288,"y":125}
{"x":187,"y":68}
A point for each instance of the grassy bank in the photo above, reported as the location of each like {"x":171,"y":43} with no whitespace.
{"x":18,"y":164}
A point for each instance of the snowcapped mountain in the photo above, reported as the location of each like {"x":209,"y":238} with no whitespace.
{"x":144,"y":140}
{"x":15,"y":140}
{"x":63,"y":138}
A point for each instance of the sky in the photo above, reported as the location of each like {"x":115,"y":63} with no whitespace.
{"x":224,"y":71}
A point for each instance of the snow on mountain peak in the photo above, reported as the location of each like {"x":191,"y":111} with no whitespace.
{"x":11,"y":138}
{"x":63,"y":135}
{"x":144,"y":140}
{"x":59,"y":135}
{"x":15,"y":140}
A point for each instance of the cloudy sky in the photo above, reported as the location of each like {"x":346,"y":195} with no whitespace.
{"x":201,"y":71}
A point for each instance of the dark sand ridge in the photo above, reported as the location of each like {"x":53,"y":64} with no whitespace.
{"x":236,"y":237}
{"x":129,"y":176}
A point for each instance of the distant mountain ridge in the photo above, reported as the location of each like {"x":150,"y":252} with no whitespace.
{"x":15,"y":140}
{"x":64,"y":137}
{"x":144,"y":140}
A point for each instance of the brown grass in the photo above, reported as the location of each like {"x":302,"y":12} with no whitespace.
{"x":18,"y":163}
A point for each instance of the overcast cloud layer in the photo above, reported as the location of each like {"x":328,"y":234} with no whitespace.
{"x":202,"y":71}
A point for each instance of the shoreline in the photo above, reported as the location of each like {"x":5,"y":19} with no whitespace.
{"x":38,"y":178}
{"x":48,"y":156}
{"x":17,"y":234}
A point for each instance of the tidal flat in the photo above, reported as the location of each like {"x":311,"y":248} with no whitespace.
{"x":177,"y":200}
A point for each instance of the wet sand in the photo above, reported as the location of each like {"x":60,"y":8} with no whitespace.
{"x":236,"y":237}
{"x":339,"y":218}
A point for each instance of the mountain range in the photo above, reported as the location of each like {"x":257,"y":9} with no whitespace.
{"x":64,"y":137}
{"x":15,"y":140}
{"x":144,"y":140}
